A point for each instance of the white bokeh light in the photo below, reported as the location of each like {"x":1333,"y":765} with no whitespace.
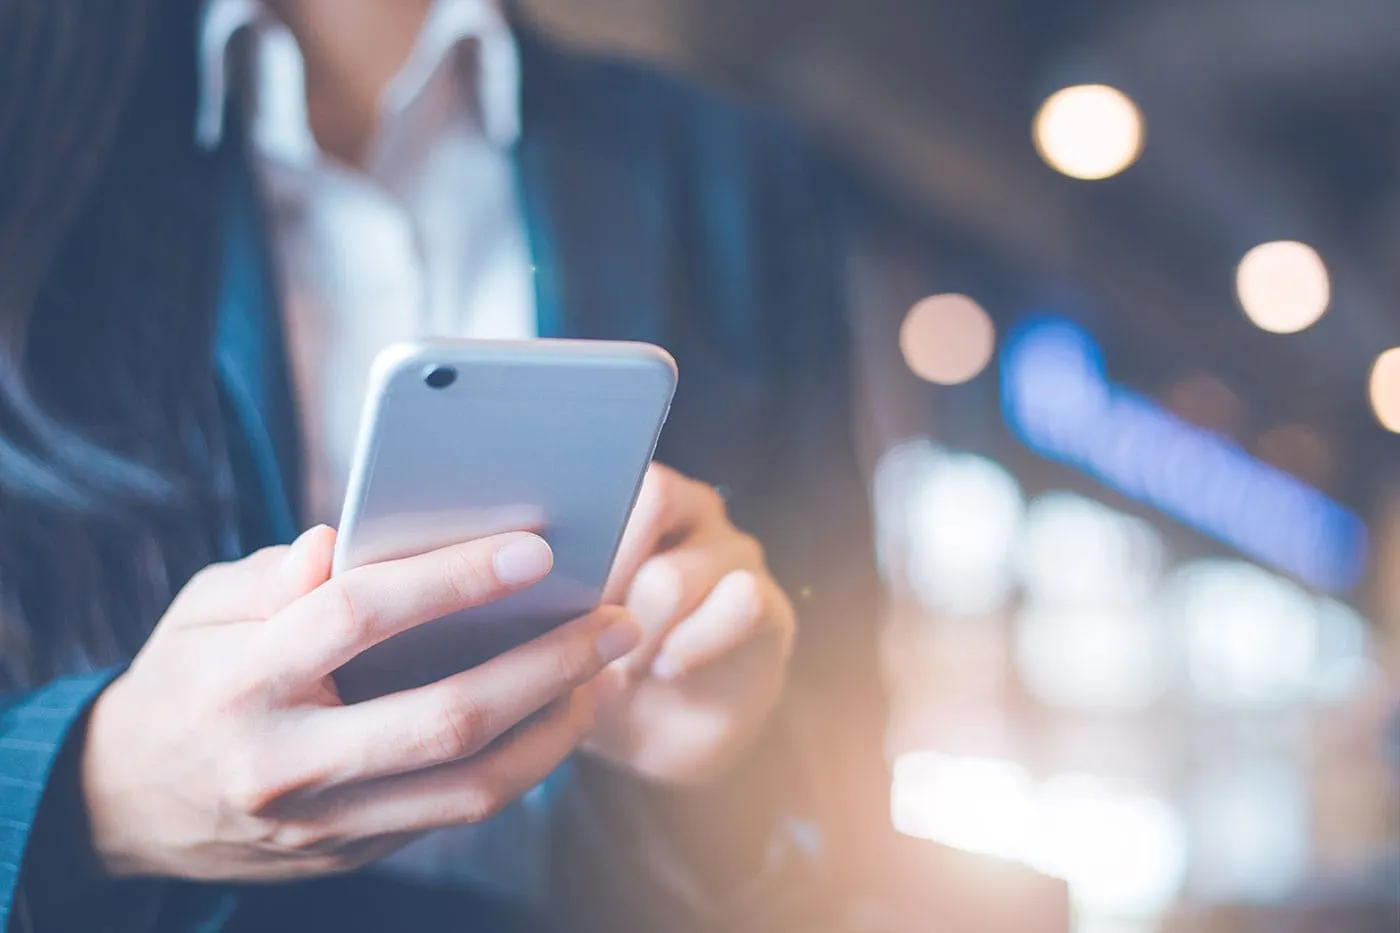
{"x":1249,"y":637}
{"x":1345,"y":663}
{"x":1091,"y":658}
{"x":1283,"y":286}
{"x":1250,"y":822}
{"x":1078,"y":551}
{"x":898,"y":473}
{"x":1089,"y":131}
{"x":963,"y":514}
{"x":981,"y":805}
{"x":1124,"y":855}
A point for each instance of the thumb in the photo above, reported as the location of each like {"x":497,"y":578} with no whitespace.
{"x":257,"y":586}
{"x":305,"y":566}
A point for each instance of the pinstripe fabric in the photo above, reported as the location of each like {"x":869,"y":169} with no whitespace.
{"x":32,"y":731}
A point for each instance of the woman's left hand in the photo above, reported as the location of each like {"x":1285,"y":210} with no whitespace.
{"x":688,"y":701}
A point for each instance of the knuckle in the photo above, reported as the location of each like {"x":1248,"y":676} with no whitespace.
{"x":234,"y":692}
{"x":750,"y":550}
{"x":205,"y":580}
{"x":576,"y":663}
{"x":345,"y":618}
{"x":479,"y":803}
{"x":467,"y":577}
{"x":457,"y":730}
{"x":711,"y":502}
{"x":309,"y":839}
{"x":249,"y":788}
{"x":666,"y":480}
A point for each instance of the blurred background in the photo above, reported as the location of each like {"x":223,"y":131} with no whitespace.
{"x":1129,"y":293}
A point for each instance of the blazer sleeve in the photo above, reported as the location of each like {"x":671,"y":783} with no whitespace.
{"x":34,"y":731}
{"x":47,"y":878}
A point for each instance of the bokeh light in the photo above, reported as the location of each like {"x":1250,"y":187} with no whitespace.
{"x":1081,"y":552}
{"x":980,"y":805}
{"x":947,"y":339}
{"x":1088,"y":636}
{"x":1249,"y":820}
{"x":1385,"y":389}
{"x":1123,"y":855}
{"x":1089,"y":131}
{"x":1283,"y":286}
{"x":964,"y":516}
{"x":1346,"y":662}
{"x":1092,"y":658}
{"x":1250,"y":637}
{"x":1057,"y":398}
{"x":1207,"y":402}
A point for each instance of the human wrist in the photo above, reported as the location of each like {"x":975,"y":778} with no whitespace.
{"x":64,"y":884}
{"x":112,"y":824}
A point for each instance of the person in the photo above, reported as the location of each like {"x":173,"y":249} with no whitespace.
{"x":211,"y":215}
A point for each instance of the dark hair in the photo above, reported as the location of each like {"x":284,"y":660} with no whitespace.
{"x":114,"y":483}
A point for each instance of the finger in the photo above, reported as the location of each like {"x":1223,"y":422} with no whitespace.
{"x":259,"y":585}
{"x":360,"y":608}
{"x":459,"y":716}
{"x":672,"y":585}
{"x":742,"y":608}
{"x":467,"y":791}
{"x":668,"y":506}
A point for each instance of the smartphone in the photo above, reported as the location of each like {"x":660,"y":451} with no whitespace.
{"x":461,"y":439}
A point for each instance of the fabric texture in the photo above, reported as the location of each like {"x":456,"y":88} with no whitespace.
{"x":33,"y":731}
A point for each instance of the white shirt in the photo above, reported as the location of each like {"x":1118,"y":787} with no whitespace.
{"x":428,"y":239}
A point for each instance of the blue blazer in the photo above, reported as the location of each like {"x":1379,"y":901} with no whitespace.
{"x":655,"y":212}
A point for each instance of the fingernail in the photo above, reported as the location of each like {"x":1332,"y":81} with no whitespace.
{"x":618,"y":639}
{"x":741,"y":595}
{"x":654,"y":595}
{"x":523,"y":559}
{"x":665,"y":669}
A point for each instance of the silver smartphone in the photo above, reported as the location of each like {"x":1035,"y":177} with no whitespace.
{"x":461,"y":439}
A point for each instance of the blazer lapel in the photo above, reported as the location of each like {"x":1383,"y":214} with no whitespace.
{"x":594,"y":190}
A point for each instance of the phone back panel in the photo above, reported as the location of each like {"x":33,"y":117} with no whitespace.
{"x":547,"y":435}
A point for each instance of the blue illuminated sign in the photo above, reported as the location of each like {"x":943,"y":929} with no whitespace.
{"x":1057,"y":398}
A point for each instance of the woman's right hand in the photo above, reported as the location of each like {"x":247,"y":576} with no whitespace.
{"x":224,"y":752}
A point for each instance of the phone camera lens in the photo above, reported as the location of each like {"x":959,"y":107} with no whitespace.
{"x":440,"y":377}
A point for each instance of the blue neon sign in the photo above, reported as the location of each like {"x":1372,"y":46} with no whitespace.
{"x":1057,"y":398}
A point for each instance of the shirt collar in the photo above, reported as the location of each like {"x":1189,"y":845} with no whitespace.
{"x":280,"y":123}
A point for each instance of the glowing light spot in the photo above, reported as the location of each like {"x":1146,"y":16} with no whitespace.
{"x":1283,"y":286}
{"x":1385,"y":389}
{"x":1089,"y":131}
{"x":947,"y":339}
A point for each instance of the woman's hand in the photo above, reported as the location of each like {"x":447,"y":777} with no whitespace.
{"x":688,"y":702}
{"x":224,"y":752}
